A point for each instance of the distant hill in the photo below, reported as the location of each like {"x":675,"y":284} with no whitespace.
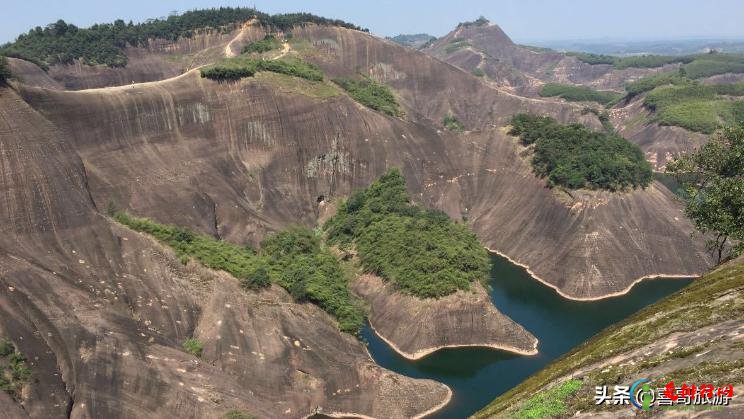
{"x":415,"y":41}
{"x":623,"y":48}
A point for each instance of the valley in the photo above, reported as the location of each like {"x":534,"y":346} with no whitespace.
{"x":285,"y":215}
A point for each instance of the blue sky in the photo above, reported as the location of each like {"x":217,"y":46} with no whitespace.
{"x":523,"y":20}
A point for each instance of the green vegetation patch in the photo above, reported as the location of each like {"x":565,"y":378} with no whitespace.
{"x":649,"y":83}
{"x":370,"y":94}
{"x":4,"y":70}
{"x":194,"y":347}
{"x":690,"y":309}
{"x":294,"y":259}
{"x":456,"y":45}
{"x":419,"y":250}
{"x":14,"y":370}
{"x":575,"y":157}
{"x":61,"y":42}
{"x":231,"y":69}
{"x":478,"y":72}
{"x":593,"y":59}
{"x":573,"y":93}
{"x":700,"y":108}
{"x":237,"y":414}
{"x":269,"y":43}
{"x":651,"y":61}
{"x":711,"y":64}
{"x":548,"y":403}
{"x":481,"y":21}
{"x":695,"y":66}
{"x":451,"y":123}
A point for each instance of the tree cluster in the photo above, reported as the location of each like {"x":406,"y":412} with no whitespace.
{"x":575,"y":157}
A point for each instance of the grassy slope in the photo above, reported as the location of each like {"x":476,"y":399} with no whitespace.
{"x":692,"y":309}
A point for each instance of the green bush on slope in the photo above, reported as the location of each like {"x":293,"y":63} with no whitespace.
{"x":4,"y":69}
{"x":371,"y":94}
{"x":421,"y":251}
{"x":696,"y":107}
{"x":294,"y":259}
{"x":243,"y":66}
{"x":573,"y":93}
{"x":576,"y":157}
{"x":267,"y":44}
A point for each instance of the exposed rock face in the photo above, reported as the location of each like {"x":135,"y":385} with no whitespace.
{"x":522,"y":70}
{"x":234,"y":160}
{"x":415,"y":327}
{"x":660,"y":144}
{"x":101,"y":312}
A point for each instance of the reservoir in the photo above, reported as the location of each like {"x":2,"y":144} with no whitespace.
{"x":477,"y":376}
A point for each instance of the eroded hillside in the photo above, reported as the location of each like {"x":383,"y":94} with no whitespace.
{"x":237,"y":160}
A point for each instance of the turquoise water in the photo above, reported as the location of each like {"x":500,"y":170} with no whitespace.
{"x":476,"y":376}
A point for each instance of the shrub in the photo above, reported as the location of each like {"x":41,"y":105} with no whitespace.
{"x":649,"y":83}
{"x":371,"y":94}
{"x":478,"y":72}
{"x":4,"y":70}
{"x":267,"y":44}
{"x":6,"y":347}
{"x":711,"y":64}
{"x":549,"y":403}
{"x":14,"y":370}
{"x":451,"y":123}
{"x":651,"y":61}
{"x":575,"y":157}
{"x":481,"y":21}
{"x":574,"y":93}
{"x":420,"y":251}
{"x":193,"y":346}
{"x":456,"y":44}
{"x":593,"y":59}
{"x":294,"y":259}
{"x":298,"y":261}
{"x":231,"y":69}
{"x":61,"y":42}
{"x":696,"y":107}
{"x":237,"y":414}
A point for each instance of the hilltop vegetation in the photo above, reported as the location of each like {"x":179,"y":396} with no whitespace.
{"x":370,"y":94}
{"x":294,"y":259}
{"x":697,"y":107}
{"x":415,"y":41}
{"x":575,"y":157}
{"x":62,"y":43}
{"x":240,"y":67}
{"x":419,"y":250}
{"x":696,"y":66}
{"x":573,"y":93}
{"x":649,"y":83}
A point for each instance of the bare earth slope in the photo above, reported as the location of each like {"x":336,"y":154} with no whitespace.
{"x":101,"y":312}
{"x":416,"y":327}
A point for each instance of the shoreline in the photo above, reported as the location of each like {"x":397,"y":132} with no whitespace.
{"x":434,"y":409}
{"x":423,"y":353}
{"x":611,"y":295}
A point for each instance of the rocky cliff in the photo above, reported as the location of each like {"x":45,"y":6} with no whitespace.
{"x":416,"y":327}
{"x":101,"y":312}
